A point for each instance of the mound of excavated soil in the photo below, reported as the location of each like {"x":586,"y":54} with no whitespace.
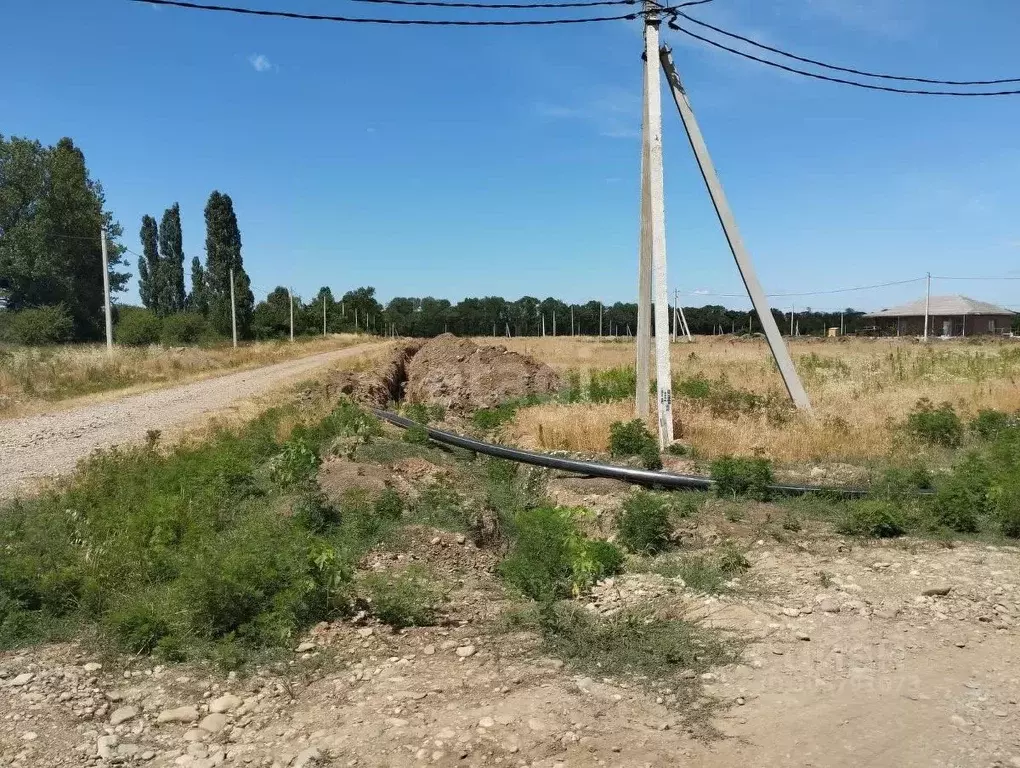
{"x":463,"y":376}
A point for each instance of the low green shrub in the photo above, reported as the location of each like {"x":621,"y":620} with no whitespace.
{"x":873,"y":518}
{"x":990,"y":424}
{"x":643,"y":523}
{"x":902,"y":484}
{"x":935,"y":425}
{"x":389,"y":504}
{"x":137,"y":327}
{"x":416,"y":435}
{"x":1006,"y":509}
{"x":656,"y":650}
{"x":37,"y":326}
{"x":550,"y":558}
{"x":184,"y":553}
{"x":632,"y":438}
{"x":611,"y":385}
{"x":742,"y":476}
{"x":628,"y":438}
{"x":296,"y":463}
{"x":408,"y":598}
{"x":183,"y":328}
{"x":440,"y":505}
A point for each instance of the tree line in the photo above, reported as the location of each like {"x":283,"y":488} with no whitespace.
{"x":51,"y":287}
{"x":358,"y":310}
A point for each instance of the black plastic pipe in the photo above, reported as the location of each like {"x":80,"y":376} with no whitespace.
{"x":644,"y":477}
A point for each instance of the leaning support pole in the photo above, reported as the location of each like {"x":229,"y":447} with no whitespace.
{"x":729,"y":224}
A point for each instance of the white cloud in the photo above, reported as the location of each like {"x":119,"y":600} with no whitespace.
{"x":260,"y":62}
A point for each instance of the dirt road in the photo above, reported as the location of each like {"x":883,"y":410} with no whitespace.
{"x":40,"y":447}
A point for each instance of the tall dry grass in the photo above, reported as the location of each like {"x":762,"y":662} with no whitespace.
{"x":32,"y":377}
{"x":861,"y":390}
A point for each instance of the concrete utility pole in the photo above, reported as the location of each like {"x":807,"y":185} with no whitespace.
{"x":323,"y":315}
{"x":683,"y":323}
{"x":571,"y":319}
{"x":729,"y":224}
{"x":355,"y":319}
{"x":644,"y":319}
{"x":554,"y":323}
{"x":290,"y":293}
{"x":106,"y":294}
{"x":927,"y":305}
{"x":654,"y":229}
{"x":676,"y":300}
{"x":233,"y":308}
{"x":600,"y":319}
{"x":842,"y":324}
{"x":793,"y":313}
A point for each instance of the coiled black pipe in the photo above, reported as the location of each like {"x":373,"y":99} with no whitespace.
{"x":643,"y":477}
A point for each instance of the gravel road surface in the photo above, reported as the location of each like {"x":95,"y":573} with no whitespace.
{"x":47,"y":445}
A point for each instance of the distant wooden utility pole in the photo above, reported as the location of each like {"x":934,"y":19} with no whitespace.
{"x":106,"y":294}
{"x":290,"y":293}
{"x":323,"y":315}
{"x":571,"y":319}
{"x":554,"y":323}
{"x":233,"y":308}
{"x":600,"y":319}
{"x":759,"y":300}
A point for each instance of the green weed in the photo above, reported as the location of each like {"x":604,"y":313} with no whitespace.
{"x":408,"y":598}
{"x":935,"y":425}
{"x":742,"y":476}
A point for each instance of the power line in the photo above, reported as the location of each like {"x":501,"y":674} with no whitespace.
{"x":827,"y":78}
{"x":816,"y":293}
{"x":496,"y":6}
{"x":943,"y":277}
{"x":394,"y":22}
{"x":861,"y":72}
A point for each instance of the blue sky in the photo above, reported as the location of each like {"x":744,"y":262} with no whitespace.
{"x":458,"y":162}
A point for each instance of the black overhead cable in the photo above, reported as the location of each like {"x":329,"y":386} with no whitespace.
{"x":835,"y":67}
{"x":497,"y":6}
{"x":840,"y":80}
{"x":397,"y":22}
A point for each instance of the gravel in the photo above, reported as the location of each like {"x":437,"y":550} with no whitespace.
{"x":39,"y":447}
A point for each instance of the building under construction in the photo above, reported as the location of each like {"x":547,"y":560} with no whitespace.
{"x":948,"y":316}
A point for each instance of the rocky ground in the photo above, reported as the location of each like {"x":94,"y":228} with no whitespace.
{"x":854,"y":654}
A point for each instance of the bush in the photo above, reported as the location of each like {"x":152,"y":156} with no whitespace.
{"x":441,"y":506}
{"x":183,"y":328}
{"x":1006,"y":508}
{"x":989,"y":424}
{"x":550,"y":559}
{"x":416,"y":435}
{"x":389,"y":505}
{"x":628,"y":438}
{"x":650,"y":457}
{"x":740,"y":476}
{"x":137,"y":327}
{"x":875,"y":519}
{"x":655,"y":649}
{"x":409,"y":598}
{"x":37,"y":327}
{"x":296,"y":463}
{"x":938,"y":426}
{"x":182,"y":554}
{"x":901,"y":484}
{"x":632,"y":438}
{"x":962,"y":498}
{"x":643,"y":524}
{"x":612,"y":384}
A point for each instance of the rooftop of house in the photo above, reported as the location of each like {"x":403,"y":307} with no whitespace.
{"x":943,"y":305}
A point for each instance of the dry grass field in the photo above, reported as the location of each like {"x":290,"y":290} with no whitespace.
{"x":861,"y":389}
{"x":32,"y":378}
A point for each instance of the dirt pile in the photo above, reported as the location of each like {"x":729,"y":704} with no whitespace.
{"x":462,"y":376}
{"x":379,"y":386}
